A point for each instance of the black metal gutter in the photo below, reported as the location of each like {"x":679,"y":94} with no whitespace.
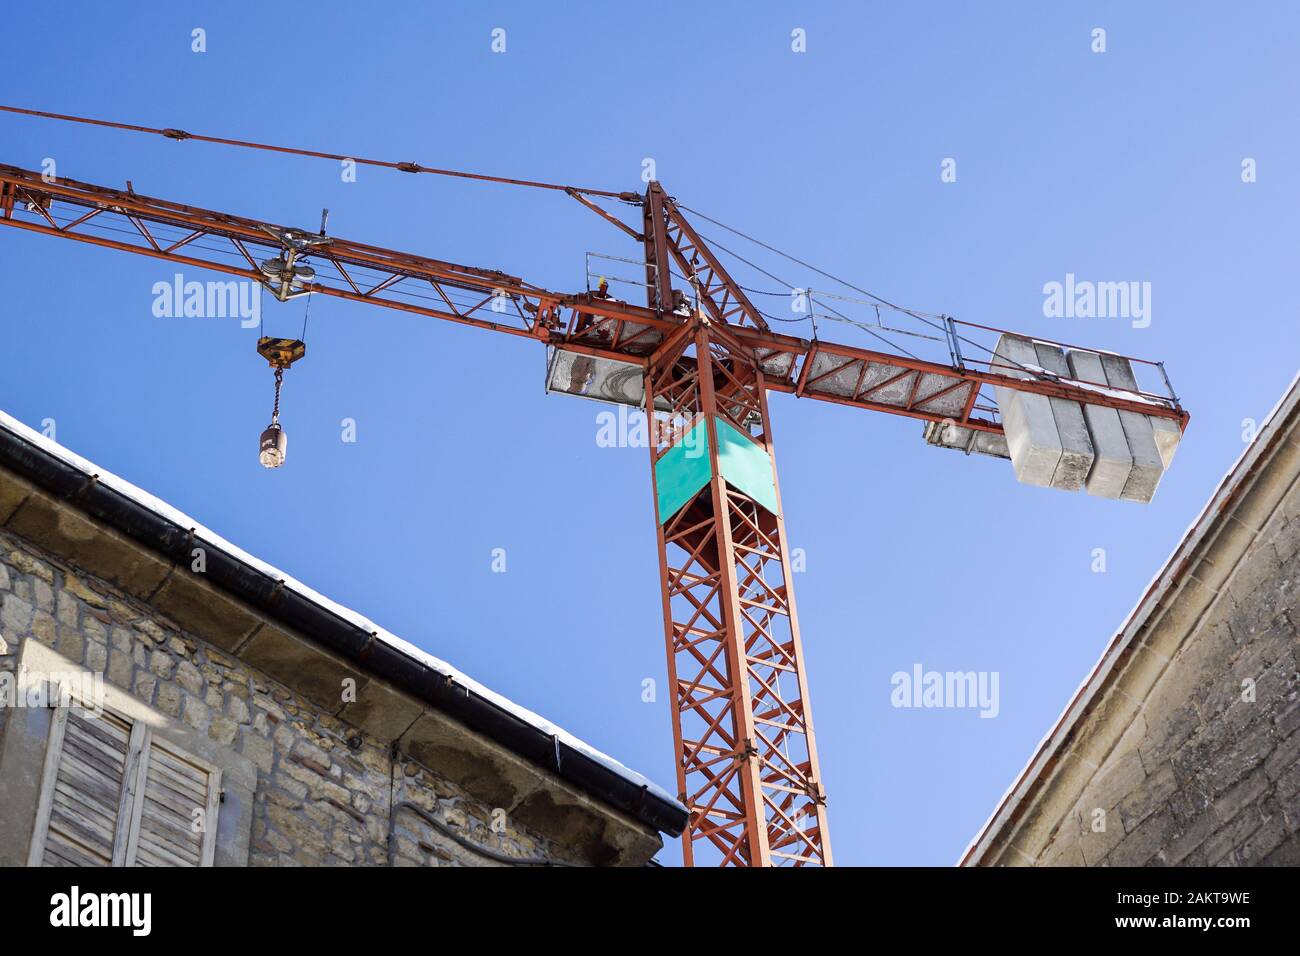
{"x":227,"y":572}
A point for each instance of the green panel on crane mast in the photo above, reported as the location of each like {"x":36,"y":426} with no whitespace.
{"x":685,"y":468}
{"x":746,"y":465}
{"x":682,"y":471}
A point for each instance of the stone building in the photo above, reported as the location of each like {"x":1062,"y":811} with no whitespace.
{"x":216,"y":712}
{"x":1182,"y":748}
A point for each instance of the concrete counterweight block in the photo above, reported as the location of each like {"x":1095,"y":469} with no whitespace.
{"x":1148,"y":464}
{"x":1033,"y":438}
{"x":1076,"y":446}
{"x":1112,"y":462}
{"x":1167,"y":434}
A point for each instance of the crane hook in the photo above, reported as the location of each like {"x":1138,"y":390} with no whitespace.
{"x":281,"y":354}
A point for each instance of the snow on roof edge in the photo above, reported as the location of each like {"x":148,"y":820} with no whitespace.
{"x":178,"y":517}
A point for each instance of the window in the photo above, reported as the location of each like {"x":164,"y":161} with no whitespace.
{"x":114,"y":794}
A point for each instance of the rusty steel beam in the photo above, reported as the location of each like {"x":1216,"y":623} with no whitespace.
{"x":747,"y":765}
{"x":600,"y":326}
{"x":721,"y":296}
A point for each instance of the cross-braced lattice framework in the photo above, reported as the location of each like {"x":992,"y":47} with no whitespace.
{"x":747,"y":761}
{"x":752,"y":602}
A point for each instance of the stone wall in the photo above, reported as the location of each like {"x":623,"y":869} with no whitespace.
{"x":1208,"y":771}
{"x":323,"y":788}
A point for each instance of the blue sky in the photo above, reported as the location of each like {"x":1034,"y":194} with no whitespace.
{"x":1116,"y":166}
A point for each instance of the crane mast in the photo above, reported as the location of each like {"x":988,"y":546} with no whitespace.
{"x":746,"y":756}
{"x":747,"y":765}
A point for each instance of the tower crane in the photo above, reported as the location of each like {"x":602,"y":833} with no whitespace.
{"x":700,"y":360}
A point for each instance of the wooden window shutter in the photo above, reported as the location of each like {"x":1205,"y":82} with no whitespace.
{"x":82,"y":794}
{"x":174,"y":813}
{"x":113,"y":794}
